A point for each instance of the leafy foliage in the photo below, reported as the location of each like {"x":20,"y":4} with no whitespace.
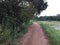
{"x":49,"y":18}
{"x":13,"y":13}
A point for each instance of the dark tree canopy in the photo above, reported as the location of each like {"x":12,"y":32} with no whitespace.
{"x":15,"y":13}
{"x":40,"y":5}
{"x":12,"y":7}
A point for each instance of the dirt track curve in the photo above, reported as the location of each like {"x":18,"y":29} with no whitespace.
{"x":34,"y":36}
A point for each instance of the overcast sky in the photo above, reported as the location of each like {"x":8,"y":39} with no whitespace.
{"x":52,"y":9}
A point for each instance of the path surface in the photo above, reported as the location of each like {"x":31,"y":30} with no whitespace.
{"x":34,"y":36}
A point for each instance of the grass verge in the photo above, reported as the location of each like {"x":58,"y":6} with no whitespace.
{"x":54,"y":35}
{"x":8,"y":38}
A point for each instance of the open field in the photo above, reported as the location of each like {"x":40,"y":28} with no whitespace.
{"x":50,"y":22}
{"x":52,"y":33}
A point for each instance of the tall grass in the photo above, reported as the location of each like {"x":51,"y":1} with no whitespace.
{"x":8,"y":38}
{"x":53,"y":35}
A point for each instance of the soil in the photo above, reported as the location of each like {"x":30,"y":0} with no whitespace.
{"x":34,"y":36}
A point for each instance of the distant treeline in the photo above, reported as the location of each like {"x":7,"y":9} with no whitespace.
{"x":49,"y":18}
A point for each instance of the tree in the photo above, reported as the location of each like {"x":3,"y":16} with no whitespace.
{"x":13,"y":13}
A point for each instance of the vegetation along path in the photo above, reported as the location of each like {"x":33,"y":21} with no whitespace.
{"x":34,"y":36}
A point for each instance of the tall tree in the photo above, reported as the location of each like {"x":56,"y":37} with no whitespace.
{"x":13,"y":13}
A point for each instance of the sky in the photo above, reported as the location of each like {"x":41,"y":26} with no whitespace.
{"x":52,"y":9}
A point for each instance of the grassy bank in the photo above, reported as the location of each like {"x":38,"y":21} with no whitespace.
{"x":8,"y":38}
{"x":53,"y":34}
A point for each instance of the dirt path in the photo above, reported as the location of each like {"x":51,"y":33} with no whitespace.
{"x":34,"y":36}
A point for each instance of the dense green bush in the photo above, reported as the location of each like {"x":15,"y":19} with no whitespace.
{"x":12,"y":17}
{"x":13,"y":14}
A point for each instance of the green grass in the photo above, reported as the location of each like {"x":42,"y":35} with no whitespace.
{"x":7,"y":37}
{"x":53,"y":34}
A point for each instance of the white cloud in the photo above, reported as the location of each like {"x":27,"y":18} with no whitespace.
{"x":52,"y":9}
